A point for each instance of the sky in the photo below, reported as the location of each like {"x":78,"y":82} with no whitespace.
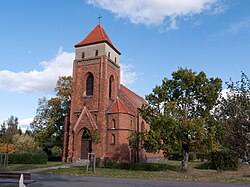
{"x":155,"y":37}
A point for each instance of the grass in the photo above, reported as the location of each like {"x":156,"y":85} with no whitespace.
{"x":18,"y":167}
{"x":241,"y":176}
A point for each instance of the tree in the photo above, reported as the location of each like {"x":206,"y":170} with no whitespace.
{"x":48,"y":123}
{"x":179,"y":114}
{"x":233,"y":113}
{"x":25,"y":144}
{"x":8,"y":130}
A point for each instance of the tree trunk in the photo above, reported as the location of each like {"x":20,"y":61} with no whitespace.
{"x":184,"y":162}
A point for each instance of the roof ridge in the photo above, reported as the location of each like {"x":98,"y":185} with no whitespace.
{"x":101,"y":29}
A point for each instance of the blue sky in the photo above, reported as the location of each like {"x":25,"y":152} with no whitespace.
{"x":155,"y":37}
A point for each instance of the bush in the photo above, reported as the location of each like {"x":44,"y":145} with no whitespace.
{"x":202,"y":156}
{"x":192,"y":156}
{"x":109,"y":163}
{"x":28,"y":158}
{"x":224,"y":160}
{"x":136,"y":166}
{"x":56,"y":151}
{"x":176,"y":156}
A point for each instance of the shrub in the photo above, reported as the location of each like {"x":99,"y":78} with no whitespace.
{"x":224,"y":160}
{"x":202,"y":156}
{"x":28,"y":158}
{"x":109,"y":163}
{"x":56,"y":151}
{"x":136,"y":166}
{"x":25,"y":144}
{"x":192,"y":156}
{"x":176,"y":156}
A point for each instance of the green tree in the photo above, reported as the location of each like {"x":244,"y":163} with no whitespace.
{"x":179,"y":114}
{"x":48,"y":123}
{"x":233,"y":113}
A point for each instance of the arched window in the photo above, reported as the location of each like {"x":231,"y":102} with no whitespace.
{"x":113,"y":124}
{"x":111,"y":82}
{"x":113,"y":139}
{"x":89,"y":85}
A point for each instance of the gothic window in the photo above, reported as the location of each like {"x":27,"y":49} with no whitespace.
{"x":89,"y":85}
{"x":113,"y":124}
{"x":115,"y":59}
{"x":83,"y":55}
{"x":111,"y":82}
{"x":131,"y":124}
{"x":113,"y":139}
{"x":109,"y":54}
{"x":96,"y":52}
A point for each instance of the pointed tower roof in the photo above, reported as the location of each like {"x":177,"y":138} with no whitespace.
{"x":118,"y":107}
{"x":97,"y":35}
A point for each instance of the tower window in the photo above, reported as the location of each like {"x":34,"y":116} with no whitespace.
{"x":111,"y":82}
{"x":113,"y":124}
{"x":131,"y":124}
{"x":113,"y":139}
{"x":96,"y":52}
{"x":83,"y":55}
{"x":89,"y":85}
{"x":109,"y":54}
{"x":115,"y":59}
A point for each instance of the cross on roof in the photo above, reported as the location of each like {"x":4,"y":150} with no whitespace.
{"x":99,"y":17}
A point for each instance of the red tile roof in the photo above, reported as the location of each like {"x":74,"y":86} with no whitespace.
{"x":97,"y":35}
{"x":118,"y":107}
{"x":137,"y":100}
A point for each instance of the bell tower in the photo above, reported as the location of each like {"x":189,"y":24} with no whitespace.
{"x":96,"y":82}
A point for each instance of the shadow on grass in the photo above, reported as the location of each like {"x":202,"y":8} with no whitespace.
{"x":205,"y":165}
{"x":142,"y":166}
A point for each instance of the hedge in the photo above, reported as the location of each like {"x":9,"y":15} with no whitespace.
{"x":137,"y":166}
{"x":28,"y":158}
{"x":224,"y":160}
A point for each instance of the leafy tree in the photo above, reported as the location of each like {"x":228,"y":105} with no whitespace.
{"x":48,"y":123}
{"x":25,"y":144}
{"x":234,"y":116}
{"x":179,"y":114}
{"x":8,"y":130}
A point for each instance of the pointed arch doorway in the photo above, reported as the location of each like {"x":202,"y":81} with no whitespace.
{"x":86,"y":144}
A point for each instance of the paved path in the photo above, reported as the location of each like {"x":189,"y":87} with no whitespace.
{"x":68,"y":181}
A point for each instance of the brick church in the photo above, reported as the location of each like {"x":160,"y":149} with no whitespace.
{"x":103,"y":111}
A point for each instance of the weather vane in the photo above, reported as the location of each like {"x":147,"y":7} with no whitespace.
{"x":99,"y":17}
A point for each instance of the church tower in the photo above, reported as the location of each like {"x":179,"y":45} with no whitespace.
{"x":96,"y":80}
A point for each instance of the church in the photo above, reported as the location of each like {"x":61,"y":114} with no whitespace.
{"x":103,"y":111}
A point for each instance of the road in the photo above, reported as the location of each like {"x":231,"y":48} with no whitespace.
{"x":66,"y":181}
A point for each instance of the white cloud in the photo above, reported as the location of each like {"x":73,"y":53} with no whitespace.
{"x":156,"y":12}
{"x":127,"y":75}
{"x":24,"y":124}
{"x":34,"y":80}
{"x":45,"y":80}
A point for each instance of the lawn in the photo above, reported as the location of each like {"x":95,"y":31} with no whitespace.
{"x":19,"y":167}
{"x":241,"y":176}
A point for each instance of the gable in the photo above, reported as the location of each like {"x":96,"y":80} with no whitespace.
{"x":85,"y":115}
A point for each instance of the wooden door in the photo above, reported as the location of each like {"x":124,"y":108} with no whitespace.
{"x":85,"y":148}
